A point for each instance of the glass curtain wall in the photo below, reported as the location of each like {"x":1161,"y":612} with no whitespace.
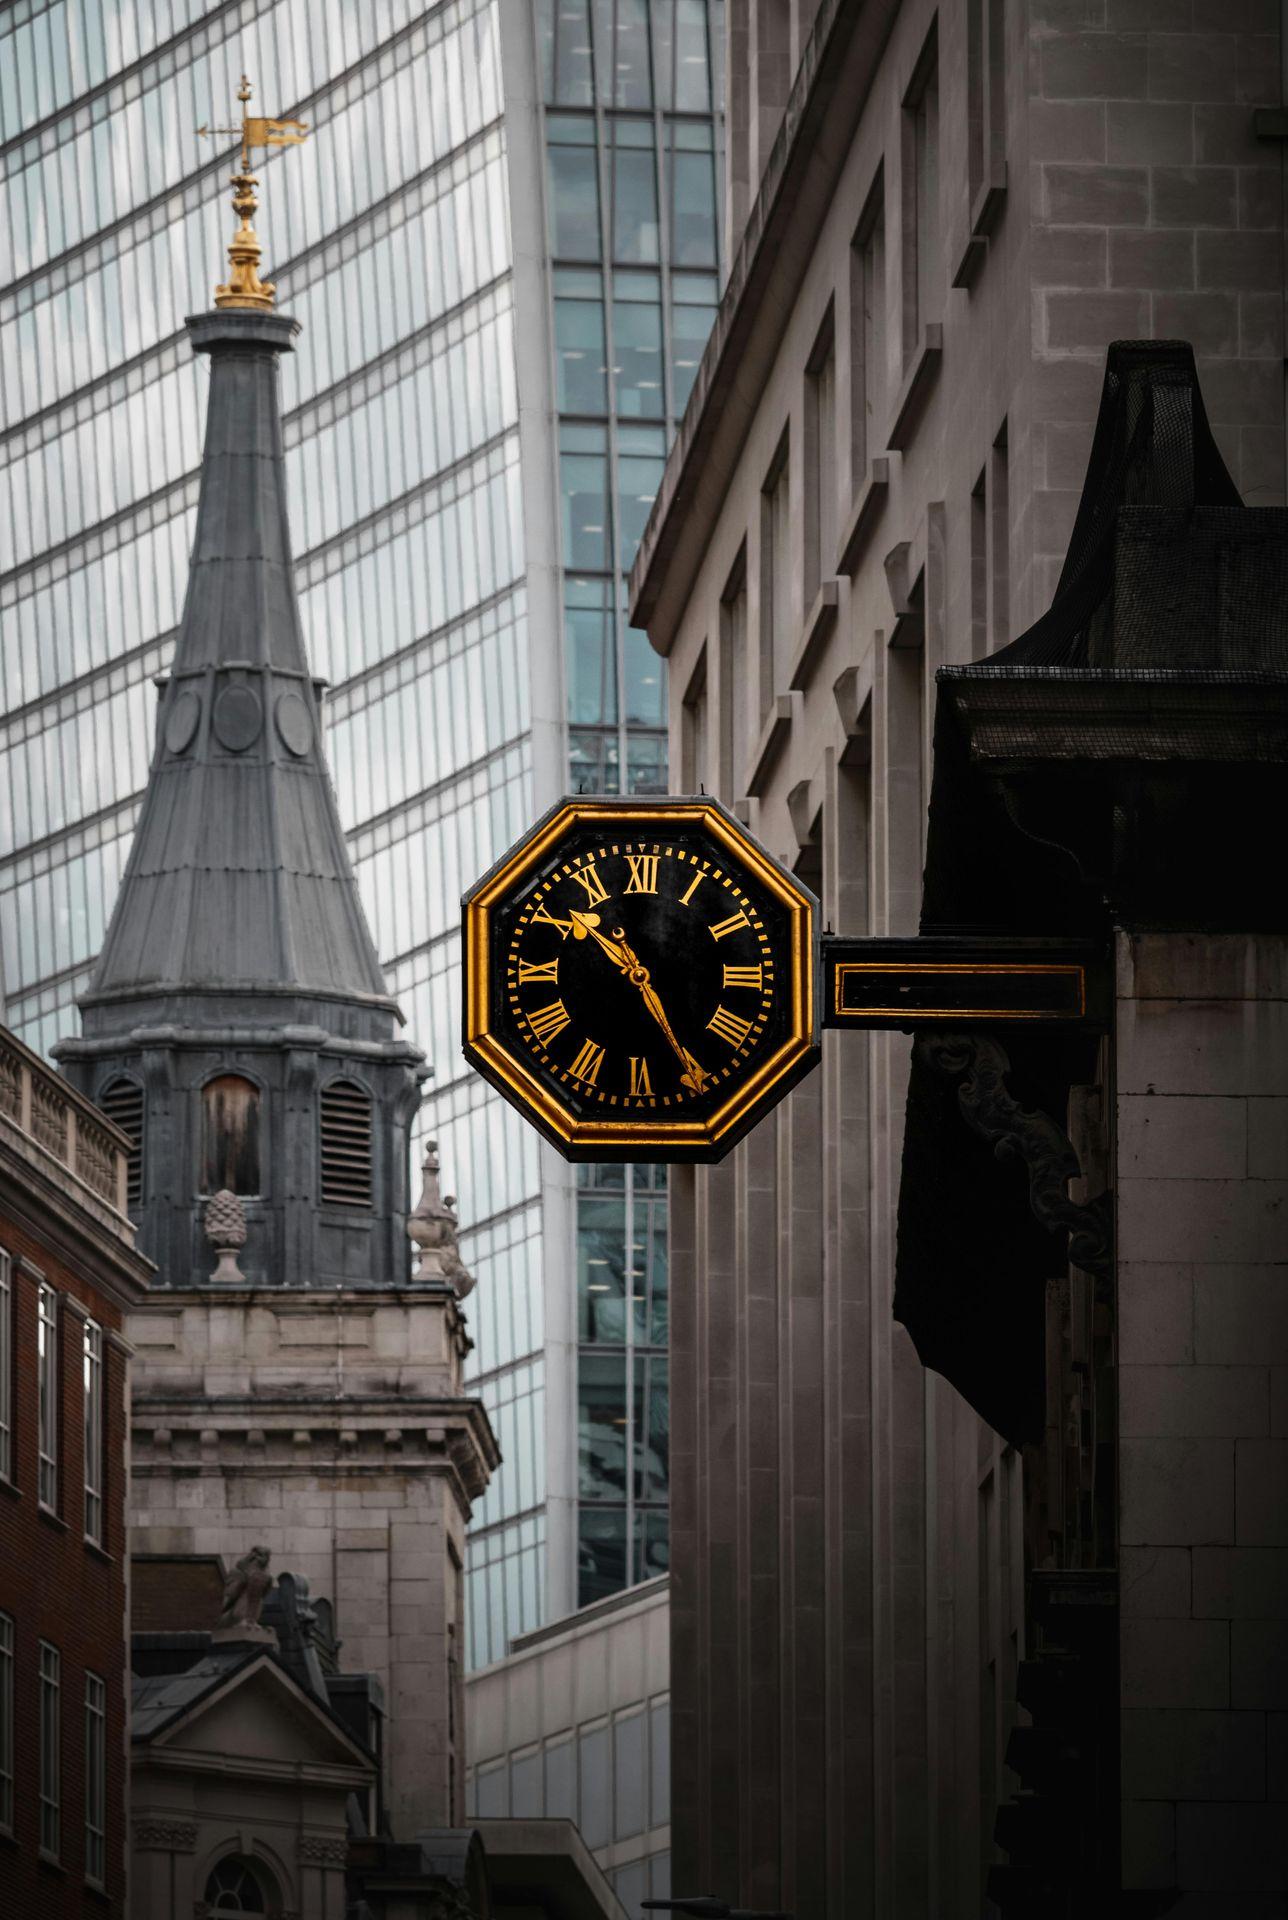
{"x":633,"y":91}
{"x":387,"y":236}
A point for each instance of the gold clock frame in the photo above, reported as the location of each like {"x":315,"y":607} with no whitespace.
{"x":636,"y":1135}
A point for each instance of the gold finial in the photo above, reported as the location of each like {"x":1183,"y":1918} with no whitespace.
{"x":244,"y":288}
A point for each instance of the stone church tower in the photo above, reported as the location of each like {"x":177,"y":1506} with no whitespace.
{"x":294,"y":1384}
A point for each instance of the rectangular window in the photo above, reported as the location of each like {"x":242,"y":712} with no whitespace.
{"x":6,"y":1369}
{"x":979,"y":567}
{"x":50,"y":1749}
{"x":93,"y":1432}
{"x":921,"y":264}
{"x":1000,"y":536}
{"x":820,"y":429}
{"x":775,"y":580}
{"x":735,"y":681}
{"x":6,"y":1723}
{"x":986,"y":109}
{"x":990,"y":567}
{"x":95,"y":1779}
{"x":47,"y":1370}
{"x":867,"y":336}
{"x":693,"y":774}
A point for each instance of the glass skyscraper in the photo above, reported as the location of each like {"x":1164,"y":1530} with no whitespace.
{"x":501,"y":241}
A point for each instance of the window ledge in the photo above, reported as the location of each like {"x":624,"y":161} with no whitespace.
{"x":863,"y":516}
{"x":773,"y":738}
{"x":51,"y":1861}
{"x":818,"y":624}
{"x":917,"y":383}
{"x":50,"y":1518}
{"x":99,"y":1551}
{"x":15,"y":1493}
{"x":984,"y":216}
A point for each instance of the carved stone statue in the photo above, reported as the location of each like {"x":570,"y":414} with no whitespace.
{"x":225,"y":1225}
{"x":433,"y":1228}
{"x":245,"y":1588}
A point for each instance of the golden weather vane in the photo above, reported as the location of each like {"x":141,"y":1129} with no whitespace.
{"x":244,"y":288}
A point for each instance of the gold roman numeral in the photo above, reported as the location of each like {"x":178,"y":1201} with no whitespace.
{"x":546,"y":1022}
{"x":530,"y":970}
{"x":694,"y":884}
{"x":588,"y":878}
{"x":542,"y":916}
{"x":643,"y":868}
{"x":737,"y":977}
{"x":731,"y":925}
{"x":588,"y":1062}
{"x":640,"y":1082}
{"x":729,"y":1027}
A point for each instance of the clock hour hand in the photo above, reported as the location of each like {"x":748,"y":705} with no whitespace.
{"x":585,"y":926}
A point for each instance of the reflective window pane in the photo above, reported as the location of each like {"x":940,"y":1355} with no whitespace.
{"x":603,"y":1424}
{"x":637,"y":346}
{"x":635,"y":222}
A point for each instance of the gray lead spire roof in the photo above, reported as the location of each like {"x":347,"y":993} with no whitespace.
{"x":239,"y":879}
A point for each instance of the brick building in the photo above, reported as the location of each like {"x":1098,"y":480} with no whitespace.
{"x":69,"y":1271}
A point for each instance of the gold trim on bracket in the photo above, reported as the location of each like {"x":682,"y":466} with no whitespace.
{"x":1008,"y":967}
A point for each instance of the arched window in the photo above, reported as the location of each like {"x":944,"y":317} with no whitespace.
{"x":230,"y":1135}
{"x":122,"y":1102}
{"x":238,"y":1885}
{"x":346,"y":1145}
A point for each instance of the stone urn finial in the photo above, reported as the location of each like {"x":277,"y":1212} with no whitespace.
{"x":433,"y":1228}
{"x":225,"y":1225}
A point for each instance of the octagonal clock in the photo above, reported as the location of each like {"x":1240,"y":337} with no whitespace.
{"x":640,"y":978}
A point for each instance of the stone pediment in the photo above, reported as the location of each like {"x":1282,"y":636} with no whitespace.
{"x":256,"y":1714}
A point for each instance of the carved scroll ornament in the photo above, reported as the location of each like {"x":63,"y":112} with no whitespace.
{"x":1029,"y":1136}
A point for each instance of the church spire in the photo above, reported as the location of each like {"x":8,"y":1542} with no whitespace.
{"x":238,"y":992}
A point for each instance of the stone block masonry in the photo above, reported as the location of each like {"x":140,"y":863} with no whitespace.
{"x":357,"y":1459}
{"x":1202,"y":1112}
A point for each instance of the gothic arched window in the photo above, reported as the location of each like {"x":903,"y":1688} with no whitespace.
{"x":122,"y":1101}
{"x":346,"y":1144}
{"x":230,"y":1135}
{"x":238,"y":1885}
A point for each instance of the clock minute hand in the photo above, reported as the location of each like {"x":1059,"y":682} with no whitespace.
{"x":693,"y":1074}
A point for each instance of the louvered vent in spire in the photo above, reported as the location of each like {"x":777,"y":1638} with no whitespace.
{"x":122,"y":1102}
{"x":346,"y":1145}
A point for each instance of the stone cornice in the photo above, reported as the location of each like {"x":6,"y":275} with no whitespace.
{"x":89,"y":1237}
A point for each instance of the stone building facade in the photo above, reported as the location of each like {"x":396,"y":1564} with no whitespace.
{"x":296,"y":1383}
{"x":70,"y":1274}
{"x":939,"y":220}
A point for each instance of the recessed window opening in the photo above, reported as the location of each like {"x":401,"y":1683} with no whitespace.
{"x":230,"y":1135}
{"x":238,"y":1885}
{"x":820,"y":459}
{"x":6,"y":1369}
{"x":775,"y":577}
{"x":922,"y":292}
{"x":47,"y":1397}
{"x":93,"y":1371}
{"x":867,"y":335}
{"x":735,"y":681}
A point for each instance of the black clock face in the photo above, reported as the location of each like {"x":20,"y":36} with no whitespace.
{"x":642,"y":974}
{"x":639,"y":979}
